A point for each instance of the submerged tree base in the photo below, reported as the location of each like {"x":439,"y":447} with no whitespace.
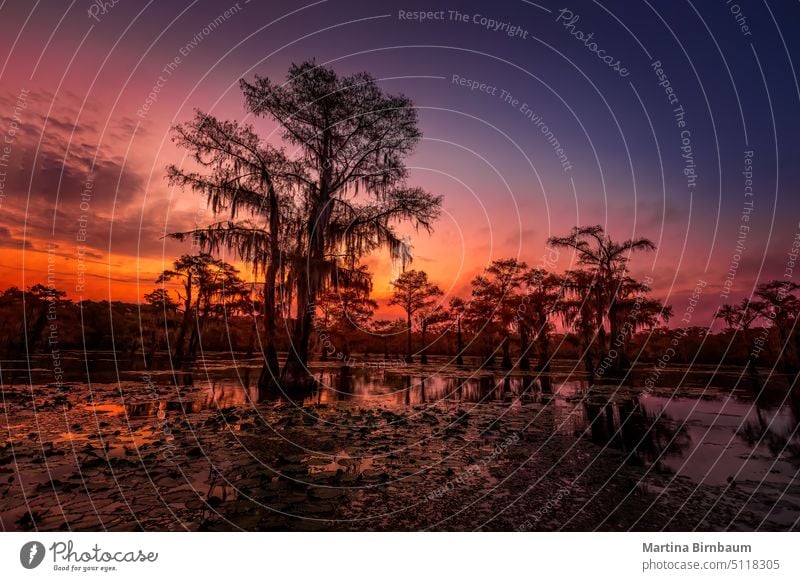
{"x":269,"y":379}
{"x":296,"y":378}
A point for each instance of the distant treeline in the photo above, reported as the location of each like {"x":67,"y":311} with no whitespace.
{"x":515,"y":317}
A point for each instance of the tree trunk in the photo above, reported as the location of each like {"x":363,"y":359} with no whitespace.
{"x":195,"y":343}
{"x":409,"y":357}
{"x":271,"y":370}
{"x":544,"y":350}
{"x":459,"y":345}
{"x":192,"y":349}
{"x":587,"y":356}
{"x":200,"y":323}
{"x":187,"y":320}
{"x":37,"y":327}
{"x":618,"y":363}
{"x":346,"y":330}
{"x":251,"y":340}
{"x":295,"y":372}
{"x":601,"y":329}
{"x":524,"y":358}
{"x":624,"y":360}
{"x":148,"y":360}
{"x":424,"y":356}
{"x":784,"y":348}
{"x":506,"y":352}
{"x":749,"y":359}
{"x":489,"y":357}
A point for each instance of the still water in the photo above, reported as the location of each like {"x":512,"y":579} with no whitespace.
{"x":701,"y":436}
{"x":709,"y":433}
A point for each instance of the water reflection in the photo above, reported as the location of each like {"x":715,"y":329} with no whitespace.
{"x":710,"y":437}
{"x":216,"y":395}
{"x":386,"y":388}
{"x":634,"y":426}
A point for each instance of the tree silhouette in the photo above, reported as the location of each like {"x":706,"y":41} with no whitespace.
{"x":429,"y":319}
{"x":161,"y":309}
{"x":741,"y":317}
{"x":413,"y":292}
{"x":221,"y":293}
{"x":387,"y":331}
{"x":352,"y":139}
{"x":608,"y":260}
{"x":496,"y":301}
{"x":458,"y":311}
{"x":203,"y":279}
{"x":579,"y":312}
{"x":40,"y":303}
{"x":639,"y":312}
{"x":543,"y":292}
{"x":252,"y":183}
{"x":781,"y":307}
{"x":347,"y":307}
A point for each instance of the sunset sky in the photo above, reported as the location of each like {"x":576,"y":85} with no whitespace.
{"x":74,"y":96}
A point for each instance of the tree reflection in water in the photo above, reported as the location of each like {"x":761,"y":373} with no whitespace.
{"x":646,"y":435}
{"x":738,"y":431}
